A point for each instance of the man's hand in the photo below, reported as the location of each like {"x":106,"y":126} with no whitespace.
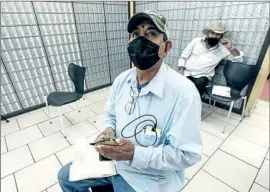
{"x":109,"y":132}
{"x":233,"y":51}
{"x":124,"y":151}
{"x":181,"y":70}
{"x":227,"y":44}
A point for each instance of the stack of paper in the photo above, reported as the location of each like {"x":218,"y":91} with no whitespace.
{"x":221,"y":91}
{"x":87,"y":164}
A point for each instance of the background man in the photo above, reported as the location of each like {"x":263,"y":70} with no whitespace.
{"x":202,"y":55}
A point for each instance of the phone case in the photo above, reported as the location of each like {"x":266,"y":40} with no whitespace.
{"x":102,"y":158}
{"x":107,"y":141}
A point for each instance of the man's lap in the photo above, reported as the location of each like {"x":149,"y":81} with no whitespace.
{"x":119,"y":184}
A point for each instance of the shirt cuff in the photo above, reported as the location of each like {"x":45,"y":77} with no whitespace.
{"x":141,"y":156}
{"x":239,"y":56}
{"x":107,"y":125}
{"x":181,"y":62}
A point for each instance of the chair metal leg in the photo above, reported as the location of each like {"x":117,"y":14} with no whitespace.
{"x":244,"y":105}
{"x":2,"y":117}
{"x":214,"y":104}
{"x":48,"y":109}
{"x":61,"y":121}
{"x":228,"y":117}
{"x":210,"y":102}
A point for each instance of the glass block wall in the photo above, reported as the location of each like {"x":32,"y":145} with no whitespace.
{"x":40,"y":39}
{"x":248,"y":23}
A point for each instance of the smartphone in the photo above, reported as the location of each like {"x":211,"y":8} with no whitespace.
{"x":106,"y":141}
{"x":102,"y":158}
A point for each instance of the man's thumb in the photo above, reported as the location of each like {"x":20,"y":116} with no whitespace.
{"x":120,"y":141}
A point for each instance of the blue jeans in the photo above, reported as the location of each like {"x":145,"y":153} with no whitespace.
{"x":119,"y":184}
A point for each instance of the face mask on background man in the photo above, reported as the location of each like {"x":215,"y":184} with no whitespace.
{"x":212,"y":41}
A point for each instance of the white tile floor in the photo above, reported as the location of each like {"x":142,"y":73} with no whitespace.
{"x":33,"y":150}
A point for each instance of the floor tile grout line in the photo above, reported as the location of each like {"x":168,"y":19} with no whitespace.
{"x":224,"y":120}
{"x":253,"y":125}
{"x":260,"y":186}
{"x":260,"y":114}
{"x":5,"y":140}
{"x":254,"y":180}
{"x":65,"y":137}
{"x":67,"y":119}
{"x":80,"y":120}
{"x":54,"y":152}
{"x":218,"y":148}
{"x":208,"y":115}
{"x":212,"y":134}
{"x":219,"y":180}
{"x":200,"y":168}
{"x":31,"y":154}
{"x":43,"y":134}
{"x":38,"y":122}
{"x":40,"y":130}
{"x":34,"y":123}
{"x":35,"y":141}
{"x":22,"y":129}
{"x":50,"y":186}
{"x":18,"y":123}
{"x":40,"y":139}
{"x":217,"y":113}
{"x":216,"y":135}
{"x":241,"y":137}
{"x":58,"y":159}
{"x":239,"y":158}
{"x":249,"y":140}
{"x":29,"y":143}
{"x":93,"y":124}
{"x":31,"y":164}
{"x":16,"y":184}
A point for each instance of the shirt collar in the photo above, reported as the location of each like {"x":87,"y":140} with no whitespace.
{"x":156,"y":85}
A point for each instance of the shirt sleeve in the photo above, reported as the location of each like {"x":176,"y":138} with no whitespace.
{"x":109,"y":111}
{"x":238,"y":58}
{"x":185,"y":145}
{"x":186,"y":53}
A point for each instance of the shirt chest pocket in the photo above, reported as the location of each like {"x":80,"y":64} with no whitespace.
{"x":147,"y":139}
{"x":198,"y":50}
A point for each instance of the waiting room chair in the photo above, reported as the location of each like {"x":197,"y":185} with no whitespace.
{"x":237,"y":76}
{"x":57,"y":99}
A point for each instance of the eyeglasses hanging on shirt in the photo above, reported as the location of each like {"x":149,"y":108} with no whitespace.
{"x":134,"y":94}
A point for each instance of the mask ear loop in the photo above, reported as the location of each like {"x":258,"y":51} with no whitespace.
{"x":165,"y":54}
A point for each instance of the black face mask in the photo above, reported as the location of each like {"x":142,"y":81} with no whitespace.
{"x":212,"y":41}
{"x":143,"y":53}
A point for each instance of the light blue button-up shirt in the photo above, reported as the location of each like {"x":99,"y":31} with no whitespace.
{"x":175,"y":102}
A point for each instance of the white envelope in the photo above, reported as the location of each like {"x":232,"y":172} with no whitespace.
{"x":221,"y":91}
{"x":87,"y":164}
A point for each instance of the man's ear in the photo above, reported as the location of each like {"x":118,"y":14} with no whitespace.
{"x":168,"y":47}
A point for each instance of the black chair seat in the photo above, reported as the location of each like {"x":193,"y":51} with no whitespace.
{"x":62,"y":98}
{"x":235,"y":95}
{"x":105,"y":188}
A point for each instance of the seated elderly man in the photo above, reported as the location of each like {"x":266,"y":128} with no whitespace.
{"x":157,"y":123}
{"x":202,"y":55}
